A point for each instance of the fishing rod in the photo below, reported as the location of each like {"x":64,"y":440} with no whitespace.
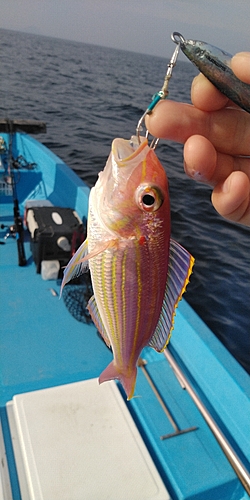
{"x":10,"y":127}
{"x":19,"y":230}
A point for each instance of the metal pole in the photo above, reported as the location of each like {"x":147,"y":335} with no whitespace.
{"x":230,"y":453}
{"x":142,"y":363}
{"x":177,"y":431}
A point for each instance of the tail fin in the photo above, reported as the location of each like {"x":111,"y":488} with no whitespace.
{"x":128,"y":382}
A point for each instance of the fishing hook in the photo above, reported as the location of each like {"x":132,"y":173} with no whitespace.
{"x":162,"y":94}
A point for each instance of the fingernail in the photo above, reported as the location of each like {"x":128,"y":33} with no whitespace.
{"x":243,"y":55}
{"x":194,"y":174}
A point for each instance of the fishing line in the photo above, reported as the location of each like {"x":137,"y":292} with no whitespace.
{"x":161,"y":95}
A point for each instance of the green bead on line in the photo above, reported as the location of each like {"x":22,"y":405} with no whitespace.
{"x":155,"y":99}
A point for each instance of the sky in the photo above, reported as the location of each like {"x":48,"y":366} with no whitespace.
{"x":138,"y":25}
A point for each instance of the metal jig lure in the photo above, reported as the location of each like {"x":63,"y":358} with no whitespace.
{"x":215,"y":64}
{"x":162,"y":94}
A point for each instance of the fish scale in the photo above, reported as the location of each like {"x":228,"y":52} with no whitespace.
{"x":123,"y":292}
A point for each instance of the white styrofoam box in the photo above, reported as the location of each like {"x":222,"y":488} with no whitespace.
{"x":79,"y":441}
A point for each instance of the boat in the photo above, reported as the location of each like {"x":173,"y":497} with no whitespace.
{"x":185,"y":434}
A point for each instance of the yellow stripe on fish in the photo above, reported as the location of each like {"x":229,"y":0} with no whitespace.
{"x":139,"y":299}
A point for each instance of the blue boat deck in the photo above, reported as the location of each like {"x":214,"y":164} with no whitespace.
{"x":42,"y":346}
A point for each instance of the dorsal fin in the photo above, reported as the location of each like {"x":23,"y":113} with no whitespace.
{"x":179,"y":270}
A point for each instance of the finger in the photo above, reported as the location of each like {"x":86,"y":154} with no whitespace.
{"x":232,"y":198}
{"x":200,"y":160}
{"x":228,"y":129}
{"x":240,"y":64}
{"x":206,"y":96}
{"x":203,"y":163}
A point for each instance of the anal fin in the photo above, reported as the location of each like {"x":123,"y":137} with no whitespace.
{"x":97,"y":320}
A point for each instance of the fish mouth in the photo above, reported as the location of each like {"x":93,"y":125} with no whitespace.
{"x":124,"y":150}
{"x":113,"y":194}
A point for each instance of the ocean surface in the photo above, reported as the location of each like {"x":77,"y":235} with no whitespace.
{"x":88,"y":95}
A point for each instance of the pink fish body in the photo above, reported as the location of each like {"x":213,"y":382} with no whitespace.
{"x":138,"y":273}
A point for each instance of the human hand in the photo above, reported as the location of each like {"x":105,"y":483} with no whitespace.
{"x":216,"y":141}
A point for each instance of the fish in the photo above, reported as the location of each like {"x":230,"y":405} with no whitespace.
{"x":215,"y":64}
{"x":138,"y":272}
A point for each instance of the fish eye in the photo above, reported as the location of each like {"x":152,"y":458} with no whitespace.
{"x":148,"y":198}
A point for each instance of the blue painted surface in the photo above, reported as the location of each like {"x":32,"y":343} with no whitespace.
{"x":51,"y":178}
{"x":10,"y":455}
{"x":42,"y":345}
{"x":193,"y":463}
{"x":215,"y":373}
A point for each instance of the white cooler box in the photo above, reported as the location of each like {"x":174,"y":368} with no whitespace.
{"x":79,"y":442}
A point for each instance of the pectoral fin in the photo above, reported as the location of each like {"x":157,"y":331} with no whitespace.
{"x":79,"y":262}
{"x":77,"y":265}
{"x":179,"y":270}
